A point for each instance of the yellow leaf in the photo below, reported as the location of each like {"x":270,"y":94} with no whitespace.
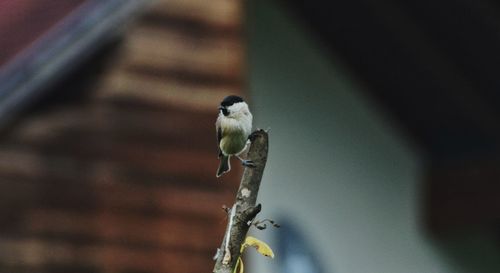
{"x":260,"y":246}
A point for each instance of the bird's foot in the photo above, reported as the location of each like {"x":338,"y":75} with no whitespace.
{"x":248,"y":163}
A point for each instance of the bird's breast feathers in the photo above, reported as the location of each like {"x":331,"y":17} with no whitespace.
{"x":241,"y":123}
{"x":234,"y":133}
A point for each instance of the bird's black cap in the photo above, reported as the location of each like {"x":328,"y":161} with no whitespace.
{"x":230,"y":100}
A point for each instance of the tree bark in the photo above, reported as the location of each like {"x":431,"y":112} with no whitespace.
{"x":244,"y":209}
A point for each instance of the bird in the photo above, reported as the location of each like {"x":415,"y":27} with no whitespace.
{"x":233,"y":127}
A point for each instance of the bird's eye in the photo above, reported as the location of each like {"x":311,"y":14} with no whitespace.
{"x":224,"y":110}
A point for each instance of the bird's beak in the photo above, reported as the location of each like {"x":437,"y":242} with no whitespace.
{"x":221,"y":108}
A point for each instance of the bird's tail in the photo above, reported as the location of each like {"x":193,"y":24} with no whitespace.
{"x":224,"y":166}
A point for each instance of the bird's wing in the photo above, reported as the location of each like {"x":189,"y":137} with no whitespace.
{"x":219,"y":137}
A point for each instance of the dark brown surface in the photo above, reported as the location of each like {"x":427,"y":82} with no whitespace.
{"x":463,"y":196}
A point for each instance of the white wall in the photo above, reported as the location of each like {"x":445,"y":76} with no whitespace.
{"x":336,"y":167}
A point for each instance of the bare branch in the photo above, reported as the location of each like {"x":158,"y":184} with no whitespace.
{"x":244,"y":209}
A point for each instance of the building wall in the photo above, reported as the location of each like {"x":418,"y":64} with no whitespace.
{"x":337,"y":169}
{"x":115,"y":171}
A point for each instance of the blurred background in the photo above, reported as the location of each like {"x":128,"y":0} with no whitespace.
{"x":384,"y":149}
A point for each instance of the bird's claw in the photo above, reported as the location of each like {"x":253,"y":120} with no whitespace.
{"x":248,"y":163}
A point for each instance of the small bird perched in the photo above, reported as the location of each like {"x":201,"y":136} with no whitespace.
{"x":233,"y":126}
